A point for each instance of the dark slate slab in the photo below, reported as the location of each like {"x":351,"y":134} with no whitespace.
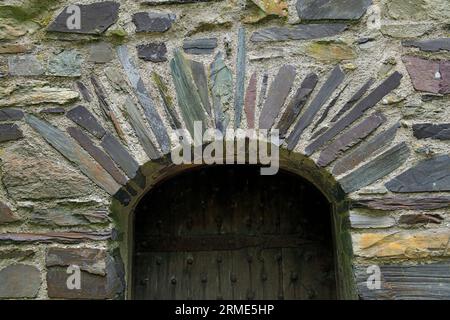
{"x":297,"y":103}
{"x":407,"y":282}
{"x":278,"y":92}
{"x":423,"y":73}
{"x":167,"y":100}
{"x":153,"y":21}
{"x":9,"y":114}
{"x":141,"y":129}
{"x":96,"y":18}
{"x":52,"y":237}
{"x":200,"y":46}
{"x":355,"y":98}
{"x":332,"y":9}
{"x":250,"y":101}
{"x":350,"y":138}
{"x":412,"y":219}
{"x":145,"y":99}
{"x":85,"y":93}
{"x":53,"y":111}
{"x":189,"y":99}
{"x":403,"y":203}
{"x":10,"y":132}
{"x":432,"y":45}
{"x":328,"y":108}
{"x":334,"y":80}
{"x":376,"y":169}
{"x":19,"y":281}
{"x":445,"y":74}
{"x":74,"y":153}
{"x":85,"y":119}
{"x":123,"y":197}
{"x":368,"y":102}
{"x":240,"y":77}
{"x":433,"y":131}
{"x":154,"y":52}
{"x":221,"y":83}
{"x":432,"y":175}
{"x":98,"y":154}
{"x":120,"y":155}
{"x":6,"y":214}
{"x":201,"y":81}
{"x":300,"y":32}
{"x":263,"y":91}
{"x":364,"y":151}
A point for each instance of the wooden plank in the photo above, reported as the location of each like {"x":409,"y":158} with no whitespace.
{"x":379,"y":167}
{"x":350,"y":138}
{"x":371,"y":100}
{"x":331,"y":84}
{"x":278,"y":92}
{"x":365,"y":151}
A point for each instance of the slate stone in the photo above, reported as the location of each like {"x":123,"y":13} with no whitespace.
{"x":85,"y":119}
{"x":25,"y":65}
{"x":300,"y":32}
{"x":100,"y":276}
{"x":433,"y":131}
{"x":332,"y":9}
{"x":86,"y":94}
{"x":10,"y":132}
{"x":74,"y":153}
{"x":200,"y":46}
{"x":58,"y":218}
{"x":9,"y":114}
{"x":240,"y":77}
{"x":120,"y":155}
{"x":16,"y":254}
{"x":65,"y":64}
{"x":402,"y":203}
{"x":277,"y":95}
{"x":36,"y":93}
{"x":189,"y":99}
{"x":11,"y":48}
{"x":330,"y":51}
{"x":432,"y":175}
{"x":52,"y":237}
{"x":350,"y":138}
{"x":101,"y":157}
{"x":141,"y":129}
{"x":263,"y":91}
{"x":153,"y":21}
{"x":376,"y":169}
{"x":432,"y":45}
{"x":354,"y":99}
{"x":360,"y":221}
{"x":250,"y":101}
{"x":407,"y":282}
{"x":331,"y":84}
{"x":445,"y":75}
{"x":166,"y":2}
{"x":297,"y":103}
{"x":19,"y":281}
{"x":96,"y":18}
{"x":100,"y":52}
{"x":423,"y":74}
{"x":167,"y":100}
{"x":154,"y":52}
{"x":103,"y":102}
{"x":6,"y":215}
{"x":53,"y":111}
{"x":358,"y":110}
{"x":201,"y":81}
{"x":363,"y":152}
{"x":123,"y":197}
{"x":221,"y":82}
{"x":412,"y":219}
{"x":329,"y":107}
{"x":145,"y":99}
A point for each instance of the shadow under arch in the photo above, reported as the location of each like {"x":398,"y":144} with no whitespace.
{"x":163,"y":169}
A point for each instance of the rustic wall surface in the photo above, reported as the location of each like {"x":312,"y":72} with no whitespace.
{"x":360,"y":88}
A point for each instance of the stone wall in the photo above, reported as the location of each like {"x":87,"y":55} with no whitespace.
{"x":360,"y":88}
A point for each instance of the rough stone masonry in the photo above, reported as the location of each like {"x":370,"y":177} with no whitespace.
{"x":360,"y":87}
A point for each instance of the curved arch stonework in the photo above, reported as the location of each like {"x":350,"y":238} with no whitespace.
{"x":89,"y":115}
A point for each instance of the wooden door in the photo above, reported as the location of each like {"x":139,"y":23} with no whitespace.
{"x":230,"y":233}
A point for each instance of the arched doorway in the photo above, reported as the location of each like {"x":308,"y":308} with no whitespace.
{"x":226,"y":232}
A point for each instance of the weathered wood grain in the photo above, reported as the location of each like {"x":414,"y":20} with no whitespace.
{"x":331,"y":84}
{"x":376,"y":169}
{"x":368,"y":102}
{"x":297,"y":103}
{"x":250,"y":101}
{"x":84,"y":118}
{"x":403,"y":203}
{"x":363,"y":152}
{"x":278,"y":92}
{"x":74,"y":153}
{"x":350,"y":138}
{"x":240,"y":77}
{"x":432,"y":175}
